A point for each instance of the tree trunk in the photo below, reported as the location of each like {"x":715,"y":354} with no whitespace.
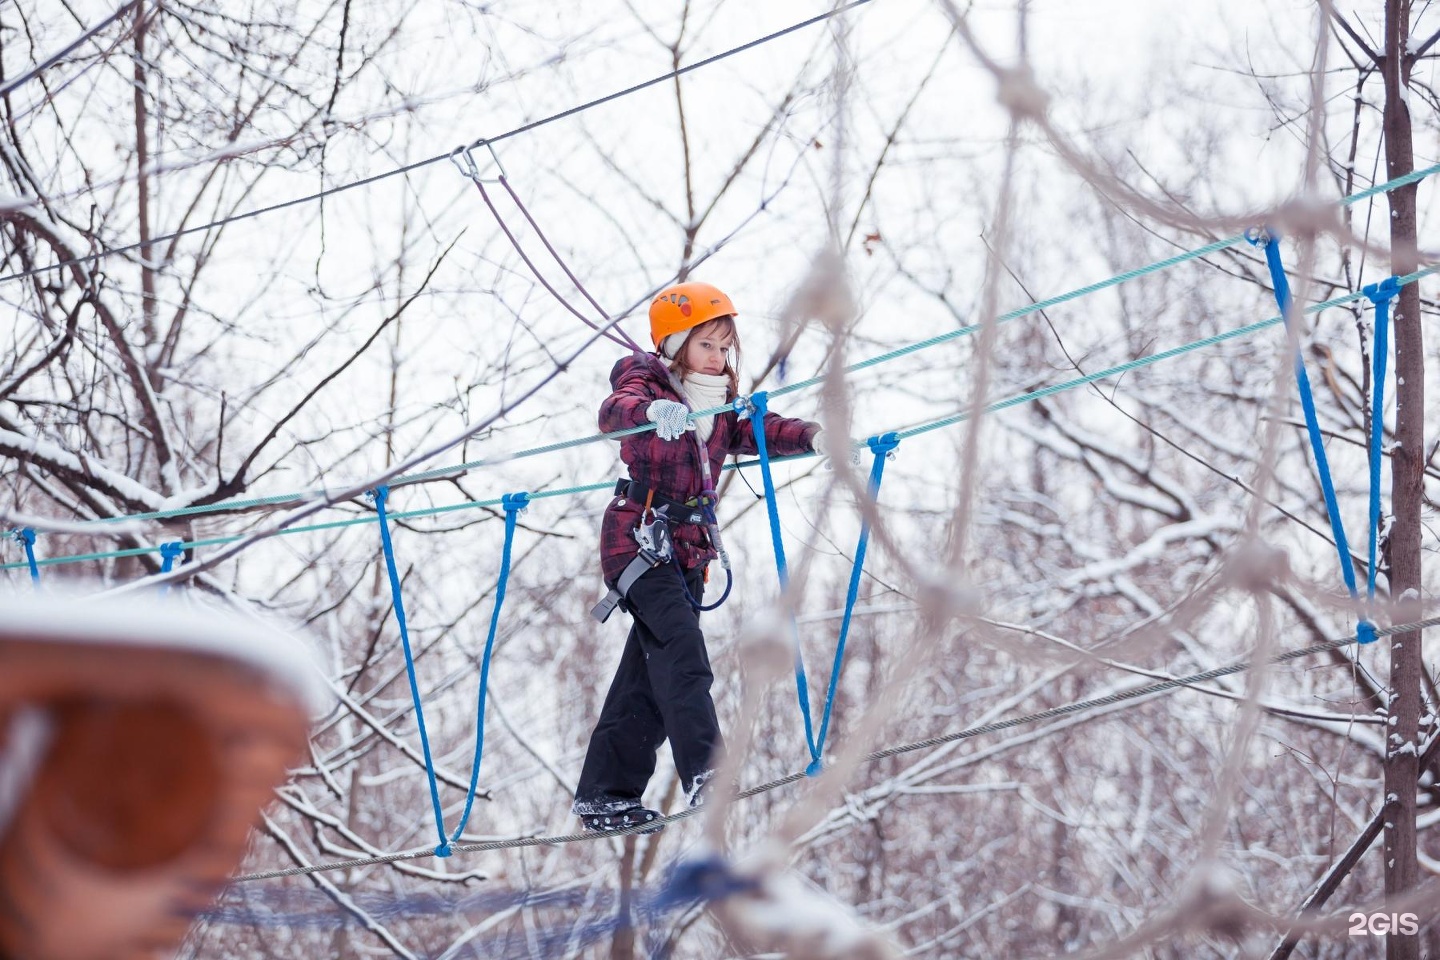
{"x":1407,"y":483}
{"x":142,"y":189}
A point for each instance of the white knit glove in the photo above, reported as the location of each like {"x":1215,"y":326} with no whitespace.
{"x":669,"y":419}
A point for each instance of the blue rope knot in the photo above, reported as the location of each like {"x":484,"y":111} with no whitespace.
{"x":26,"y":536}
{"x":884,"y":444}
{"x":815,"y":768}
{"x":1365,"y":632}
{"x":1261,"y":236}
{"x":515,"y":502}
{"x":170,"y":551}
{"x":379,"y":495}
{"x":1382,"y":292}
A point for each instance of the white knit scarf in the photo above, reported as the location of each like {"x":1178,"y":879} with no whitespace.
{"x":704,"y":391}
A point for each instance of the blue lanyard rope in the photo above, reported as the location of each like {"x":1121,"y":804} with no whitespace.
{"x":802,"y":687}
{"x":881,"y":447}
{"x":1270,"y":241}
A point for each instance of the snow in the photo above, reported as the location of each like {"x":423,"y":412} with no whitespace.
{"x":787,"y":909}
{"x":65,"y":616}
{"x":65,"y":460}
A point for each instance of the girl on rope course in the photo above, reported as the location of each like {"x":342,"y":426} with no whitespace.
{"x":656,"y":543}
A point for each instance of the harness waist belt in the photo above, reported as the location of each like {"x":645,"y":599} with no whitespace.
{"x":676,"y":512}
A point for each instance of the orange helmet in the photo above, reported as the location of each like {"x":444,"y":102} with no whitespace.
{"x":685,"y":305}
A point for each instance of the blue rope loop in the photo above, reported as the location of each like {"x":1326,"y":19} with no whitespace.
{"x":170,"y":551}
{"x":883,"y":447}
{"x":26,"y":536}
{"x":380,"y":495}
{"x":758,"y":407}
{"x":1269,"y":239}
{"x":513,"y":504}
{"x":1380,"y":294}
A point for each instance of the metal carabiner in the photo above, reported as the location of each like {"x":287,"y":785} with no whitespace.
{"x":471,"y":169}
{"x":467,"y":168}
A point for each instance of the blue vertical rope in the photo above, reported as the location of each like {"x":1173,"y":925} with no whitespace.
{"x":381,"y":494}
{"x":802,"y":687}
{"x":513,"y":503}
{"x":1380,"y":295}
{"x":881,"y":447}
{"x":26,"y":536}
{"x":1270,"y":241}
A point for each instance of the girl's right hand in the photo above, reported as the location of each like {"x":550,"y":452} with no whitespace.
{"x":669,"y":417}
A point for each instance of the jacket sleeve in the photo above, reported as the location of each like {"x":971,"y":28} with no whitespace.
{"x":635,"y":388}
{"x":784,"y":436}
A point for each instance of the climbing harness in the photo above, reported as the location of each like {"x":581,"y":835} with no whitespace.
{"x":652,"y":534}
{"x":472,"y":171}
{"x":1269,"y":241}
{"x":513,"y":504}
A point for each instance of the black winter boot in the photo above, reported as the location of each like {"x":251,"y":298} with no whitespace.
{"x":621,"y":820}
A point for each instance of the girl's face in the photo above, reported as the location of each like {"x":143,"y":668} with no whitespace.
{"x":706,"y":350}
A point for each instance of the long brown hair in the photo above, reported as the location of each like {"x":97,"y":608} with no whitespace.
{"x":718,"y":327}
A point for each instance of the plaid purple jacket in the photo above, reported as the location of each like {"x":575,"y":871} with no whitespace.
{"x":671,"y":468}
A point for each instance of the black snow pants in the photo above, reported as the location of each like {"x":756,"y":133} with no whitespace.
{"x":661,"y":689}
